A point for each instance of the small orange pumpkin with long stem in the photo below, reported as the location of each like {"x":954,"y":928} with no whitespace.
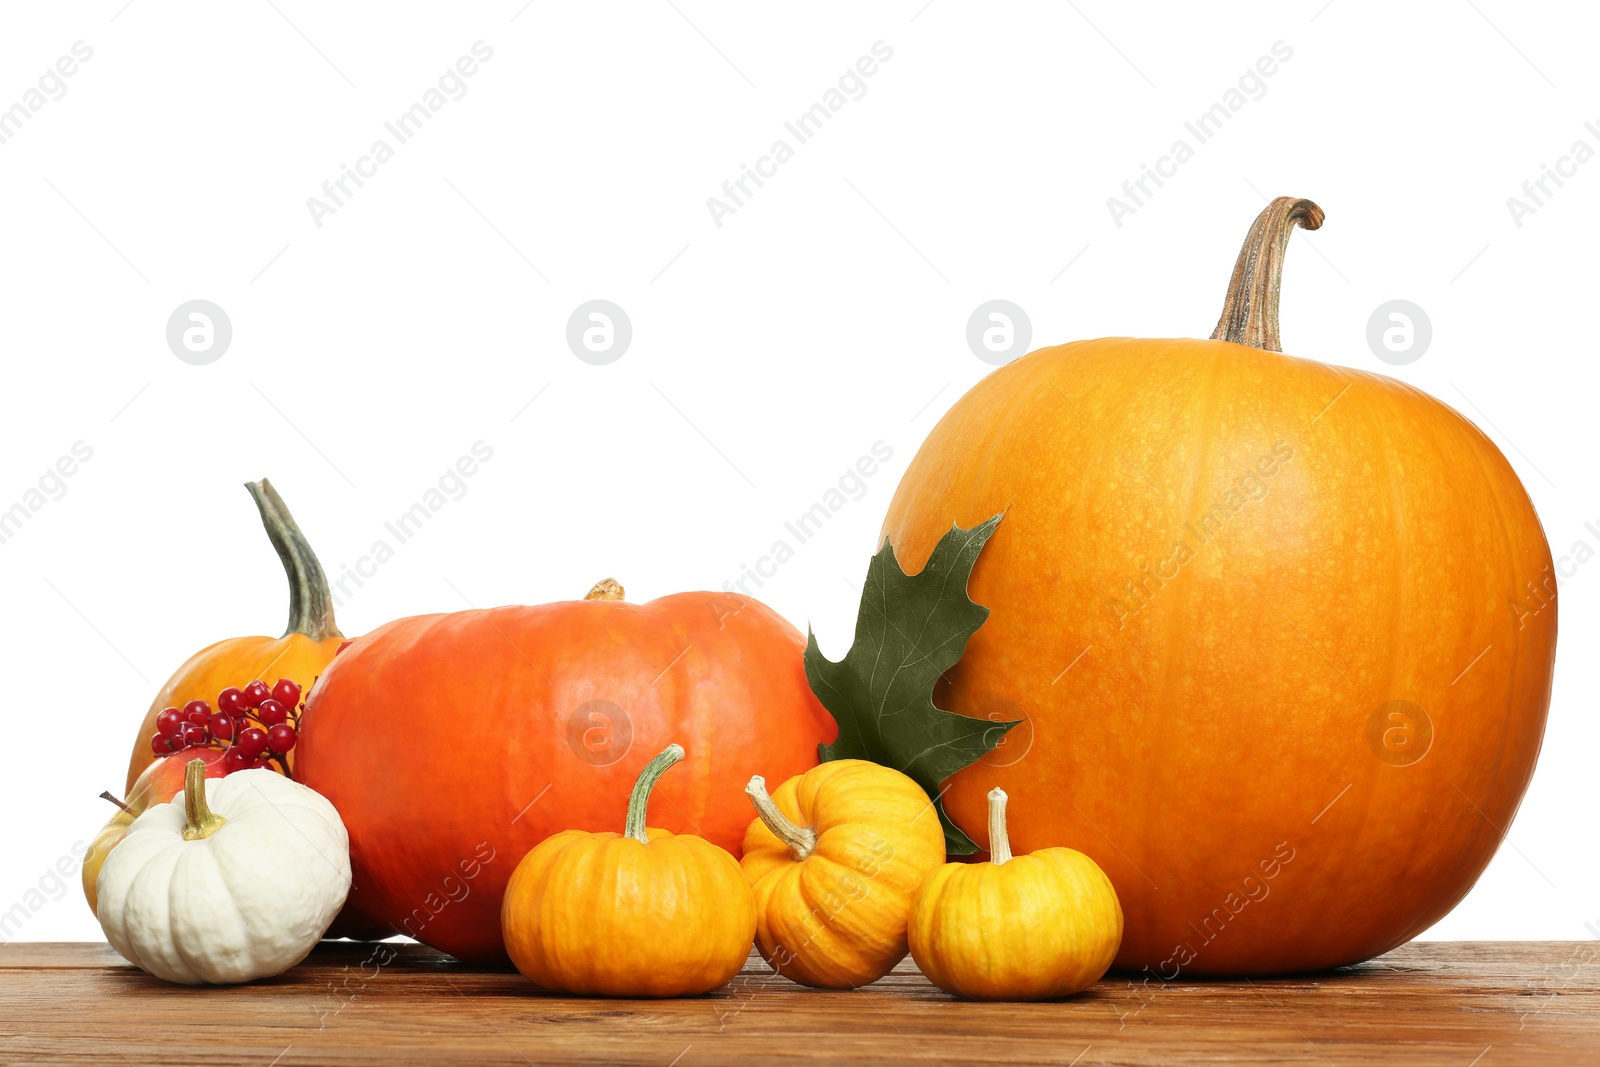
{"x":300,"y":655}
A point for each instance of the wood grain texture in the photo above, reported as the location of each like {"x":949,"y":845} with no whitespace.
{"x":1454,"y":1004}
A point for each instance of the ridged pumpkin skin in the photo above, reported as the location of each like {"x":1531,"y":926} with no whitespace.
{"x":837,"y":919}
{"x":1037,"y":926}
{"x":501,"y":746}
{"x":606,"y":915}
{"x":1214,"y":750}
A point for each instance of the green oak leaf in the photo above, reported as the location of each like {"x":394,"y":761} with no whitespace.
{"x":911,"y":629}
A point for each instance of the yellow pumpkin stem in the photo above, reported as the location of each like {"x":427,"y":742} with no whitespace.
{"x":199,"y":820}
{"x":639,"y":802}
{"x":999,"y":839}
{"x":1250,"y":313}
{"x":605,"y":589}
{"x":802,"y":840}
{"x":310,"y":600}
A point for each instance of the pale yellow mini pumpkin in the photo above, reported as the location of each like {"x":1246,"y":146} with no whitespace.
{"x":1030,"y":927}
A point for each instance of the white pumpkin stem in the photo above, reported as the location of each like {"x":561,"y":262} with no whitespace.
{"x":802,"y":840}
{"x":999,"y":839}
{"x":639,"y":802}
{"x":199,"y":821}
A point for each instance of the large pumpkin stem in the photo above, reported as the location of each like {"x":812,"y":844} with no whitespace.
{"x":802,"y":840}
{"x":1250,"y":315}
{"x":199,"y":821}
{"x":310,"y":601}
{"x":999,"y":838}
{"x":639,"y":802}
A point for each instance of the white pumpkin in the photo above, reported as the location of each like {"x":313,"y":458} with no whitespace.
{"x":235,"y":879}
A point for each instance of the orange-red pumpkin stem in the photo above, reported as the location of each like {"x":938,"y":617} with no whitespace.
{"x":310,"y":601}
{"x":1250,"y":314}
{"x":605,"y":589}
{"x":639,"y":801}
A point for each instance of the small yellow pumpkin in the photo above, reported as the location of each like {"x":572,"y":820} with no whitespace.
{"x":645,"y":913}
{"x":1046,"y":924}
{"x":835,"y":858}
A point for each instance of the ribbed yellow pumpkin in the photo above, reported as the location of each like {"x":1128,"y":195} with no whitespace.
{"x":835,"y":858}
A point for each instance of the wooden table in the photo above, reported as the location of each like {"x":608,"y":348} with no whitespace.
{"x":1453,"y":1004}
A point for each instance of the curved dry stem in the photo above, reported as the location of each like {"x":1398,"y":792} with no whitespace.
{"x":802,"y":840}
{"x":1250,"y":313}
{"x":310,"y":600}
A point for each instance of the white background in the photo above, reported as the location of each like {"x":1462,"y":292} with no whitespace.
{"x":768,"y":354}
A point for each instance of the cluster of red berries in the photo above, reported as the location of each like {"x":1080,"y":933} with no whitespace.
{"x":256,"y":724}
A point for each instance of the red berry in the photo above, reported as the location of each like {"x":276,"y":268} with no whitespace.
{"x":286,"y":693}
{"x":252,"y":741}
{"x":262,"y":763}
{"x":197,"y":708}
{"x":272,"y":712}
{"x":169,"y":722}
{"x":194,"y":735}
{"x":161,"y":745}
{"x":281,"y":738}
{"x":234,"y":760}
{"x":221,"y":726}
{"x":230,"y":701}
{"x":255,"y":693}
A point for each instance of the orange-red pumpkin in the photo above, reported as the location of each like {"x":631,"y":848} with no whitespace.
{"x":1282,"y":633}
{"x":507,"y":725}
{"x":299,"y":655}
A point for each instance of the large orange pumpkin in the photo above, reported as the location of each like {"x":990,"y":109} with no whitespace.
{"x":300,"y":654}
{"x":1281,"y":633}
{"x":510,"y":724}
